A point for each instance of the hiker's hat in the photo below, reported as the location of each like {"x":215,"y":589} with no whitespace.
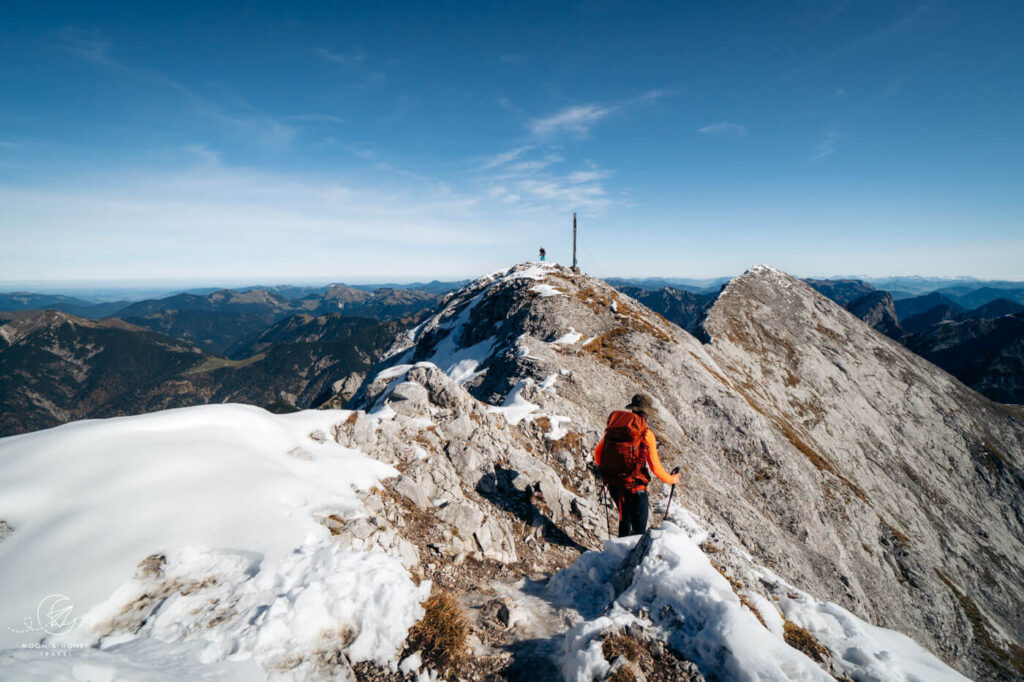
{"x":641,"y":403}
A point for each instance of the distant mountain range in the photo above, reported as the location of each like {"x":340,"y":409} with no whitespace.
{"x":288,"y":347}
{"x":680,"y":283}
{"x":56,"y":367}
{"x":973,"y":330}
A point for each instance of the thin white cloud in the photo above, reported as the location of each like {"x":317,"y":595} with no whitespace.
{"x":205,"y":154}
{"x":270,"y":131}
{"x":579,"y":119}
{"x":357,"y":61}
{"x":89,"y":45}
{"x":724,"y":128}
{"x":315,"y":118}
{"x":564,"y":195}
{"x":828,"y":145}
{"x":506,"y":104}
{"x":576,"y":120}
{"x":532,"y":166}
{"x":505,"y":157}
{"x":354,"y":58}
{"x":579,"y":177}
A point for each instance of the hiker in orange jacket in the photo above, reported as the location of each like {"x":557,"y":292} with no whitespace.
{"x":623,"y":456}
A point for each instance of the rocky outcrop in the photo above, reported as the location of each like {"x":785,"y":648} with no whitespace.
{"x":474,"y":485}
{"x":810,"y":442}
{"x":878,"y":311}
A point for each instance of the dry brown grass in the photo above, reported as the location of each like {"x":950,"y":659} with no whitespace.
{"x":1008,"y":660}
{"x":441,"y":634}
{"x":753,"y":609}
{"x":571,"y":442}
{"x":623,"y":675}
{"x":622,"y":644}
{"x":803,"y":641}
{"x":633,"y":649}
{"x":610,"y":349}
{"x":737,"y":588}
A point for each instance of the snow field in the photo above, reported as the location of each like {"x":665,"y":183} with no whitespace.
{"x":694,"y":609}
{"x":229,"y":496}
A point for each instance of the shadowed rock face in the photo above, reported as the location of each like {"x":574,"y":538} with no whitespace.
{"x":986,"y":354}
{"x":842,"y":291}
{"x":682,"y":308}
{"x":878,"y":311}
{"x":828,"y":452}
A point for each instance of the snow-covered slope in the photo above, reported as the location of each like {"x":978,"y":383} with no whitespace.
{"x":675,"y":589}
{"x":201,"y":524}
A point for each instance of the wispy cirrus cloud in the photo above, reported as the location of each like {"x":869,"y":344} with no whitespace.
{"x":354,"y":58}
{"x":563,"y":194}
{"x":576,"y":120}
{"x":724,"y":128}
{"x":828,"y":145}
{"x":204,"y":153}
{"x":315,"y":118}
{"x":270,"y":131}
{"x":535,"y":181}
{"x":579,"y":119}
{"x":357,"y":61}
{"x":89,"y":45}
{"x":506,"y":157}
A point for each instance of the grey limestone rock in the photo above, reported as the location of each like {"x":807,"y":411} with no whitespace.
{"x":810,"y":443}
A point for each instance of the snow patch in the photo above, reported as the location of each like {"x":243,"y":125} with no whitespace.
{"x":516,"y":408}
{"x":862,"y":650}
{"x":567,"y":339}
{"x":215,"y":491}
{"x":545,"y":290}
{"x":558,"y":429}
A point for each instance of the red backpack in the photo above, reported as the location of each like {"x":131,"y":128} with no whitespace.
{"x":624,"y":457}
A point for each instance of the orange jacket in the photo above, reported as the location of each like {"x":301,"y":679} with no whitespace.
{"x":653,"y":461}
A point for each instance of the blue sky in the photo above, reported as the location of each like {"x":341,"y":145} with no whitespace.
{"x":408,"y":141}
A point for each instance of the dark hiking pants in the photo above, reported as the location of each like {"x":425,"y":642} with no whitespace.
{"x":633,"y":511}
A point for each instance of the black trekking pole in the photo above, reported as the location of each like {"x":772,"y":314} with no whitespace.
{"x":670,"y":492}
{"x":607,"y":523}
{"x":600,"y":484}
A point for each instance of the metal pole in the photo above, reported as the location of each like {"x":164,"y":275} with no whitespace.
{"x":574,"y":242}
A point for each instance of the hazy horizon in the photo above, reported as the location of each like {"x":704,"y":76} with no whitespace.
{"x":110,"y":286}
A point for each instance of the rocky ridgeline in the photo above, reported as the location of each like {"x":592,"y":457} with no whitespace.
{"x":811,"y":446}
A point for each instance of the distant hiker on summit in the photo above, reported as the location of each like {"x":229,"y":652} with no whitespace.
{"x":622,"y":458}
{"x":543,"y":254}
